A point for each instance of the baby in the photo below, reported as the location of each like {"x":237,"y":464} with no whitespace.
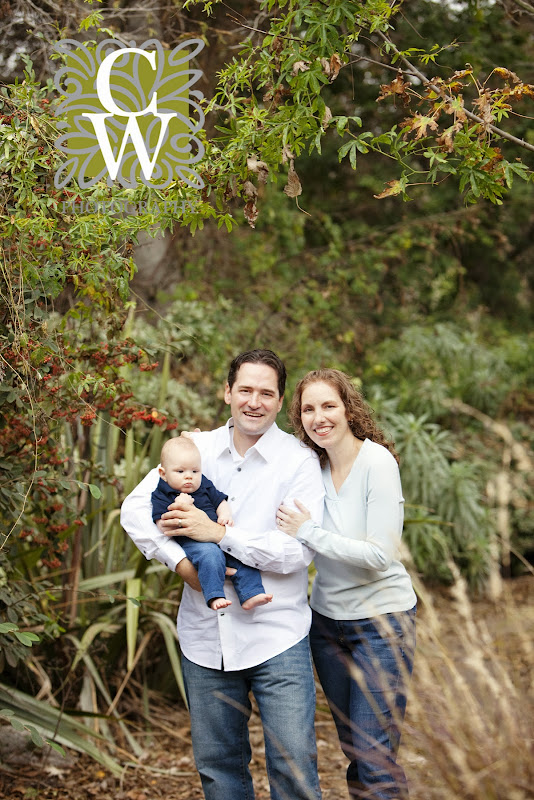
{"x":181,"y":474}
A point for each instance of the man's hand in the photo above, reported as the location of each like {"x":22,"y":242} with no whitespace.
{"x":185,"y":519}
{"x":189,"y":434}
{"x":188,"y":574}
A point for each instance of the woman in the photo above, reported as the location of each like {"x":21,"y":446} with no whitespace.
{"x":363,"y":603}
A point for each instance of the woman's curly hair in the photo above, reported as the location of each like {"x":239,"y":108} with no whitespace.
{"x":359,"y":414}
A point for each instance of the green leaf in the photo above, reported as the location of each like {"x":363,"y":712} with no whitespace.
{"x":26,"y":639}
{"x":8,"y":627}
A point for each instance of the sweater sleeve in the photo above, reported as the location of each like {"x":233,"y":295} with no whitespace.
{"x":375,"y":547}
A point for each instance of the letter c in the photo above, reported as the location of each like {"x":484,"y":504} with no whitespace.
{"x":103,"y":88}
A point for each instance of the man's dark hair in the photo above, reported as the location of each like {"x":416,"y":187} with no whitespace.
{"x":266,"y":357}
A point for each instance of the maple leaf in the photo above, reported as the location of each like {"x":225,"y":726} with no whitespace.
{"x":397,"y":86}
{"x":462,"y":73}
{"x":455,"y":86}
{"x":392,"y":188}
{"x":446,"y":140}
{"x":293,"y":187}
{"x":456,"y":107}
{"x":419,"y":124}
{"x":519,"y":91}
{"x":507,"y":74}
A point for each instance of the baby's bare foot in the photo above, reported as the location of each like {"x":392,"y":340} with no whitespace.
{"x":257,"y":600}
{"x":219,"y":602}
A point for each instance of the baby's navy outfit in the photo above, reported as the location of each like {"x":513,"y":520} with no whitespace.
{"x":207,"y":557}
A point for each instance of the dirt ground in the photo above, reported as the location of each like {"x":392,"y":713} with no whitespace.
{"x":167,"y":770}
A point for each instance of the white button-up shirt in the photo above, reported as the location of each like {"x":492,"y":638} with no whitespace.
{"x":278,"y":468}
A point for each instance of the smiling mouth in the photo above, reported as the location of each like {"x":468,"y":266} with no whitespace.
{"x":253,"y":416}
{"x":322,"y":431}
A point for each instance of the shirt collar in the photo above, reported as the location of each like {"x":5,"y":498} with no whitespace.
{"x":267,"y":445}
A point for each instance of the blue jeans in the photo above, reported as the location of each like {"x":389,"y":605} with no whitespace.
{"x":364,"y":667}
{"x":220,"y":708}
{"x":210,"y":562}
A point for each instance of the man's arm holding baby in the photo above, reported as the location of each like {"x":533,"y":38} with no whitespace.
{"x":270,"y":550}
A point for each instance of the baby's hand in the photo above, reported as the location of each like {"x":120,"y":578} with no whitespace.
{"x":185,"y":498}
{"x":224,"y":519}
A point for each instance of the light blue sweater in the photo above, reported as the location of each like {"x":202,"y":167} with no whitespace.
{"x":358,"y":571}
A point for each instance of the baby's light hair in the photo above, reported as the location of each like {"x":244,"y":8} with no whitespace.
{"x":175,"y":445}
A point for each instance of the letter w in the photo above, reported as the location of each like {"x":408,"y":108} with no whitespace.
{"x":132,"y":130}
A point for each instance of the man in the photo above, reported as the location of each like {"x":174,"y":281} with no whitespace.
{"x":231,"y":652}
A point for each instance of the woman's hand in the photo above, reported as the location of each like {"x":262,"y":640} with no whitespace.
{"x":289,"y":521}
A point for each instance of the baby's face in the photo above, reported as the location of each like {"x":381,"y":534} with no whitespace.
{"x":183,"y":471}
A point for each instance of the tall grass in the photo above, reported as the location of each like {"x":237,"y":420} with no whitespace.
{"x":469,"y":729}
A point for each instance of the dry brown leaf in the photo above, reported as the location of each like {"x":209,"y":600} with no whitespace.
{"x":251,"y":213}
{"x":268,"y":93}
{"x":250,"y":190}
{"x":507,"y":74}
{"x":456,"y":107}
{"x":260,"y":168}
{"x":392,"y":188}
{"x":300,"y":66}
{"x":397,"y":86}
{"x":277,"y":45}
{"x":327,"y":116}
{"x":335,"y":66}
{"x":485,"y":111}
{"x":462,"y":73}
{"x":419,"y":124}
{"x":446,"y":140}
{"x":287,"y":155}
{"x":293,"y":187}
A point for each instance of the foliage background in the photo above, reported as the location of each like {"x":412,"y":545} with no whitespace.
{"x":117,"y":330}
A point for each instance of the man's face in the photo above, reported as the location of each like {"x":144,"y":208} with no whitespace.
{"x":254,"y":399}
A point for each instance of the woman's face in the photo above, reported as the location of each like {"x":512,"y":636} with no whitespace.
{"x":323,"y":416}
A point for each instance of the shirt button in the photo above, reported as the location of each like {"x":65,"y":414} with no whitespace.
{"x":229,"y":549}
{"x":232,"y":499}
{"x":239,"y":469}
{"x":256,"y":564}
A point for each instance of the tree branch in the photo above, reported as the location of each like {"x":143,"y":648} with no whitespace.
{"x":427,"y":82}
